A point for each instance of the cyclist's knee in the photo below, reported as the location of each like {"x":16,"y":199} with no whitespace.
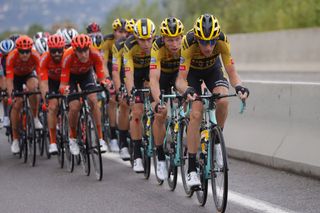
{"x":53,"y":107}
{"x":223,"y":103}
{"x":136,"y":114}
{"x":74,"y":106}
{"x":196,"y":115}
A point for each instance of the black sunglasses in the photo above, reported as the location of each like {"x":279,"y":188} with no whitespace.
{"x":81,"y":50}
{"x":24,"y":51}
{"x":206,"y":42}
{"x":56,"y":50}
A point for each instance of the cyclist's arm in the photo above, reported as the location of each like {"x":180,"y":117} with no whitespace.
{"x":10,"y":72}
{"x":129,"y":70}
{"x":181,"y":81}
{"x":43,"y":76}
{"x":65,"y":73}
{"x":116,"y":67}
{"x":101,"y":70}
{"x":155,"y":72}
{"x":229,"y":63}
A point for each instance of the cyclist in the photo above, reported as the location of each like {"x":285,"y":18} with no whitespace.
{"x":20,"y":66}
{"x":68,"y":35}
{"x":164,"y":67}
{"x":77,"y":68}
{"x":136,"y":57}
{"x":6,"y":46}
{"x":93,"y":28}
{"x":119,"y":31}
{"x":14,"y":37}
{"x":50,"y":71}
{"x":200,"y":62}
{"x":41,"y":45}
{"x":118,"y":77}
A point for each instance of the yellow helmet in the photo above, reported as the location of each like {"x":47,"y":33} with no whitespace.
{"x":119,"y":23}
{"x":130,"y":25}
{"x":171,"y":27}
{"x":206,"y":27}
{"x":144,"y":29}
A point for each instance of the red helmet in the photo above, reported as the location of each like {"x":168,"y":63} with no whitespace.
{"x":93,"y":28}
{"x":81,"y":41}
{"x":56,"y":41}
{"x":24,"y":42}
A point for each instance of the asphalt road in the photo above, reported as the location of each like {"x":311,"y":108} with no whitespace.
{"x":47,"y":188}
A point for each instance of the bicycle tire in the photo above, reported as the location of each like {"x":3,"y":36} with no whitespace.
{"x":31,"y":139}
{"x":40,"y":140}
{"x":82,"y":142}
{"x":184,"y":156}
{"x":105,"y":124}
{"x":170,"y":150}
{"x":69,"y":158}
{"x":219,"y":189}
{"x":60,"y":142}
{"x":94,"y":147}
{"x":130,"y":147}
{"x":146,"y":160}
{"x":202,"y":193}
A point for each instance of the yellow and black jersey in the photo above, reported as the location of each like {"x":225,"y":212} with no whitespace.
{"x":191,"y":56}
{"x":109,"y":40}
{"x":133,"y":56}
{"x":117,"y":54}
{"x":162,"y":59}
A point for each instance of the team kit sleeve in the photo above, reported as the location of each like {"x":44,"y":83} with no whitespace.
{"x":98,"y":64}
{"x":185,"y":59}
{"x":10,"y":65}
{"x":116,"y":59}
{"x":225,"y":52}
{"x":65,"y":73}
{"x":128,"y":60}
{"x":36,"y":58}
{"x":155,"y":58}
{"x":44,"y":67}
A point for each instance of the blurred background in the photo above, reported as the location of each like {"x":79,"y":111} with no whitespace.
{"x":236,"y":16}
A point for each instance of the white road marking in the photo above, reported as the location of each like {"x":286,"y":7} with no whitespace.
{"x":234,"y":197}
{"x":284,"y":82}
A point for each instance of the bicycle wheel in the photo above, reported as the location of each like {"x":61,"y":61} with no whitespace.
{"x":32,"y":146}
{"x":130,"y":147}
{"x":69,"y":158}
{"x":46,"y":136}
{"x":184,"y":156}
{"x":40,"y":140}
{"x":170,"y":149}
{"x":146,"y":160}
{"x":105,"y":123}
{"x":82,"y":142}
{"x":61,"y":141}
{"x":219,"y":173}
{"x":203,"y":190}
{"x":94,"y":147}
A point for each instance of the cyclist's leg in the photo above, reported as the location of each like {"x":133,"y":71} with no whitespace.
{"x":123,"y":125}
{"x":216,"y":81}
{"x":193,"y":129}
{"x":32,"y":85}
{"x":112,"y":114}
{"x":88,"y":82}
{"x":4,"y":101}
{"x":15,"y":119}
{"x":52,"y":115}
